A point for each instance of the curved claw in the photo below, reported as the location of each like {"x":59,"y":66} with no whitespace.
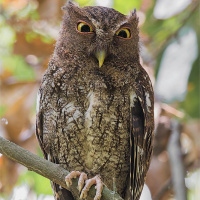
{"x":99,"y":187}
{"x":82,"y":179}
{"x":72,"y":174}
{"x":88,"y":183}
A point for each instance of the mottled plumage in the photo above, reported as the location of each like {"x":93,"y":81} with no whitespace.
{"x":97,"y":120}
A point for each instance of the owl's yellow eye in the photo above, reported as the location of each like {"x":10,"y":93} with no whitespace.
{"x":83,"y":27}
{"x":124,"y":33}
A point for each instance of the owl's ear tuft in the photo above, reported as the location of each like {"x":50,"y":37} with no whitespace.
{"x":133,"y":16}
{"x":133,"y":13}
{"x":70,"y":5}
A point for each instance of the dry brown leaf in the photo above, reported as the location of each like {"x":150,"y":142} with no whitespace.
{"x":35,"y":47}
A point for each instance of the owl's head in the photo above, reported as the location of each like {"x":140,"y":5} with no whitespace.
{"x":100,"y":32}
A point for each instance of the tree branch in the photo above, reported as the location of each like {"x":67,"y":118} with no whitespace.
{"x":176,"y":160}
{"x":48,"y":169}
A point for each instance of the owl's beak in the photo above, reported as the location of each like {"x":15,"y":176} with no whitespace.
{"x":101,"y":55}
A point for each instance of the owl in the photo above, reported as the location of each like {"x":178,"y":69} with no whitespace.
{"x":95,"y":106}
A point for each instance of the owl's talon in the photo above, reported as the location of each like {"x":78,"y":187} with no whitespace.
{"x":88,"y":183}
{"x":72,"y":174}
{"x":82,"y":179}
{"x":68,"y":183}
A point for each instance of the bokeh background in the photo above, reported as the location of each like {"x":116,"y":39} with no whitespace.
{"x":170,"y":44}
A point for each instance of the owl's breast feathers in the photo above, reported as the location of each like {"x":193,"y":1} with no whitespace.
{"x":84,"y":125}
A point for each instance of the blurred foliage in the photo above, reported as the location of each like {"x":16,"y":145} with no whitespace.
{"x":18,"y":68}
{"x":28,"y":31}
{"x":126,"y":6}
{"x":36,"y":182}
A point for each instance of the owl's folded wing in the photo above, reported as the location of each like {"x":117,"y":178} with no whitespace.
{"x":142,"y":125}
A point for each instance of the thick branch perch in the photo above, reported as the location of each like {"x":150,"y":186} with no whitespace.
{"x":48,"y":169}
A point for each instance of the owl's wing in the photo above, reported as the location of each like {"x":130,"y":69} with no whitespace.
{"x":142,"y":126}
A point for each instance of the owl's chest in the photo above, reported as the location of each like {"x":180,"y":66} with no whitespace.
{"x":106,"y":128}
{"x":97,"y":126}
{"x":106,"y":109}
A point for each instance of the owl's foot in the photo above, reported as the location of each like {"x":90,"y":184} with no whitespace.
{"x":74,"y":174}
{"x":88,"y":183}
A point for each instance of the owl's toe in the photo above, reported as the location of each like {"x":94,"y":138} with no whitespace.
{"x":81,"y":181}
{"x":72,"y":174}
{"x":88,"y":183}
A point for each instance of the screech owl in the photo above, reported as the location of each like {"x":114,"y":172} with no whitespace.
{"x":95,"y":103}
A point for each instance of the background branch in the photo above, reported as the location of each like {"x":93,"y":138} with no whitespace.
{"x":176,"y":161}
{"x":48,"y":169}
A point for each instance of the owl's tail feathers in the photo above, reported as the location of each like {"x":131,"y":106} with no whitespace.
{"x":61,"y":193}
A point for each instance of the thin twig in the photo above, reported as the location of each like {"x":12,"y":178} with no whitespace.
{"x":47,"y":169}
